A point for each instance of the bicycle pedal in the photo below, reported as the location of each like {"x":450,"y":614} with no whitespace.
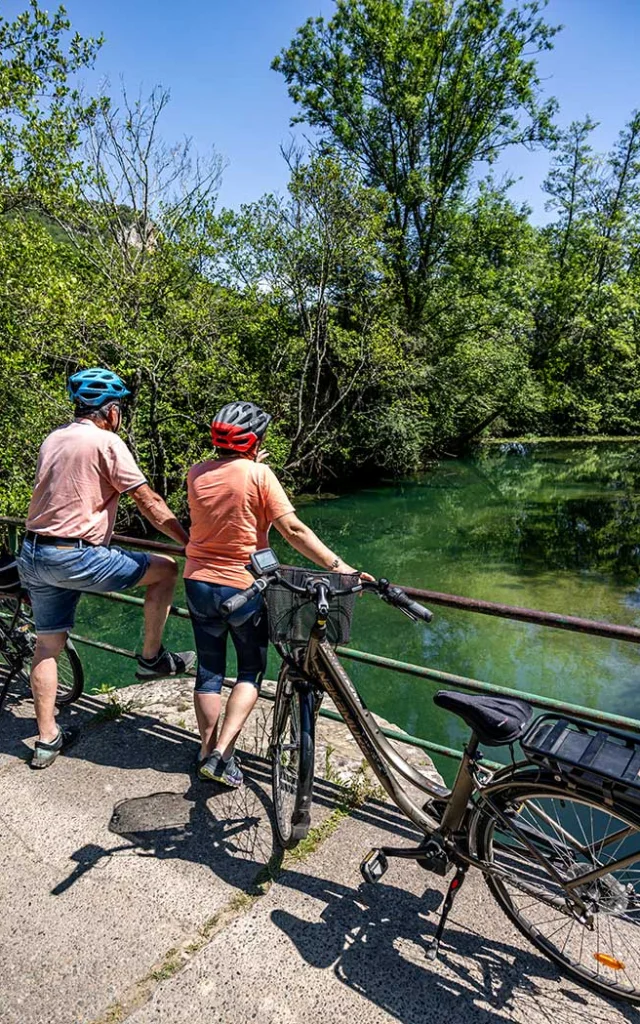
{"x":374,"y":866}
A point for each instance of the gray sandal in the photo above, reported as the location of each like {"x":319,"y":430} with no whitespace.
{"x":45,"y":754}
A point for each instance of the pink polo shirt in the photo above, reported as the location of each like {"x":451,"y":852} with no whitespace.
{"x":81,"y":472}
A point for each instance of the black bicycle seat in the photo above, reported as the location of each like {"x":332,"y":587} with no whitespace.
{"x":496,"y":720}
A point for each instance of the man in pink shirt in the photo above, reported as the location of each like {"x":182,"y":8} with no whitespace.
{"x":83,"y":468}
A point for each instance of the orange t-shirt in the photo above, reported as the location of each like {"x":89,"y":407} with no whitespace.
{"x":81,"y":472}
{"x":233,"y":503}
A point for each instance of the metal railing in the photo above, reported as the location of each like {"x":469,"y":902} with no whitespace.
{"x":589,"y":627}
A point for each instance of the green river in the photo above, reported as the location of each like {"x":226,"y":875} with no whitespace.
{"x":545,"y":526}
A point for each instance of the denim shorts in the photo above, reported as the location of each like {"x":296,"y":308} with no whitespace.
{"x":56,"y":576}
{"x":247,"y":627}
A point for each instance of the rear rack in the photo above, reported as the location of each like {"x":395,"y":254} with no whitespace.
{"x":609,"y":759}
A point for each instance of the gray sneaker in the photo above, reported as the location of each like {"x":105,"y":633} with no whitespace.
{"x":44,"y":754}
{"x":217,"y":770}
{"x":165,"y":663}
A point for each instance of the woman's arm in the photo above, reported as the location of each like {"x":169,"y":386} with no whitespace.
{"x":308,"y":544}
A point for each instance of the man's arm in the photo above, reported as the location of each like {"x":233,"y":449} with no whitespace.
{"x":158,"y":513}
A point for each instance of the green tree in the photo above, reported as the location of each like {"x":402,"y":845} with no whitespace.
{"x":41,"y":113}
{"x":587,"y":307}
{"x":135,"y":223}
{"x":416,"y":93}
{"x":315,"y":256}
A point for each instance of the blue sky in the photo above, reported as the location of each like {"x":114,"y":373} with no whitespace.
{"x":214,"y":56}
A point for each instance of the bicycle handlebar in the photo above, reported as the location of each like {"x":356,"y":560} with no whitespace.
{"x":397,"y":597}
{"x":238,"y":601}
{"x":321,"y":591}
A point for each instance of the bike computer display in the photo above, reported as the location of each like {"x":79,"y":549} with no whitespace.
{"x":264,"y":561}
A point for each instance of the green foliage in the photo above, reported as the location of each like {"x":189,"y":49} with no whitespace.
{"x":415,"y":93}
{"x":41,"y":114}
{"x":393,"y":304}
{"x":113,"y":707}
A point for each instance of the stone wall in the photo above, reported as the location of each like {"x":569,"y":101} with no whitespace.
{"x":338,"y":757}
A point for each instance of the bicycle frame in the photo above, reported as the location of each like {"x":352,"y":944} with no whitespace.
{"x":493,"y":820}
{"x":321,"y":667}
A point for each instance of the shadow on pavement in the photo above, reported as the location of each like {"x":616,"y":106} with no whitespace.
{"x":372,"y":937}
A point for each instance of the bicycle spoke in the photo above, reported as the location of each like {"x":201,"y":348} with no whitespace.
{"x":592,"y":856}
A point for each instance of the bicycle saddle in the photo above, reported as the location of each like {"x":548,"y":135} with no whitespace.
{"x":496,"y":720}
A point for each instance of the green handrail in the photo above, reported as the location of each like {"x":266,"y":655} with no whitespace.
{"x":549,"y":619}
{"x":392,"y":734}
{"x":445,"y":678}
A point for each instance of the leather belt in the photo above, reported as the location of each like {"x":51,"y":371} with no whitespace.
{"x":58,"y":542}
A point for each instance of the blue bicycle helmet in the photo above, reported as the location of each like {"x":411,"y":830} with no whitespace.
{"x":96,"y":387}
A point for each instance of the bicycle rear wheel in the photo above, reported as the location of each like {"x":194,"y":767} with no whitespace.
{"x":292,"y":759}
{"x":573,"y":834}
{"x":70,"y":676}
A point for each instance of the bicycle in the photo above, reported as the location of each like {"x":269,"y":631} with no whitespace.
{"x":18,"y":640}
{"x":556,"y":834}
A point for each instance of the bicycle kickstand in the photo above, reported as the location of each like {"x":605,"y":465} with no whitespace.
{"x":452,"y":891}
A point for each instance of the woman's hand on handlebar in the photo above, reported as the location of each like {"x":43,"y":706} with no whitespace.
{"x":348,"y":570}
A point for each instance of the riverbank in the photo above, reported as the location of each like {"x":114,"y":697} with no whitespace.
{"x":131,"y":892}
{"x":585,"y":439}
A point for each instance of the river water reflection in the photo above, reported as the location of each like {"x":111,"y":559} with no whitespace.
{"x":551,"y":527}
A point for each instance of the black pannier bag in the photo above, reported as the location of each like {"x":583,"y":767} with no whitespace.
{"x":9,"y":579}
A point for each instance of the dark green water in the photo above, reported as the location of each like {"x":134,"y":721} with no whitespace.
{"x":556,"y":528}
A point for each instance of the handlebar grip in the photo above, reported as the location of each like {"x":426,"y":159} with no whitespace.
{"x":397,"y":597}
{"x":238,"y":601}
{"x":419,"y":611}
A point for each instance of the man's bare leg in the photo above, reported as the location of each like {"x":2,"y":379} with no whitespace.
{"x":44,"y":682}
{"x":160,"y":580}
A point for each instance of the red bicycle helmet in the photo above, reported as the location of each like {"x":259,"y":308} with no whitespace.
{"x":239,"y":426}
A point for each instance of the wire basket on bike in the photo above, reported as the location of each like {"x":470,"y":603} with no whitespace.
{"x":291,"y":617}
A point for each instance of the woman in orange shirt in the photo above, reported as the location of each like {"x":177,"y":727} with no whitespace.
{"x":234,"y":499}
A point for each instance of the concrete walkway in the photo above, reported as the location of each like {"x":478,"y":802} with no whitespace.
{"x":134,"y":893}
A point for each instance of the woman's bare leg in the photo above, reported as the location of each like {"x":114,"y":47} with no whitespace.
{"x":207,"y":708}
{"x":239,"y":707}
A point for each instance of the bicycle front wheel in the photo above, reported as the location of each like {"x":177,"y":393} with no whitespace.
{"x":293,"y":754}
{"x":19,"y":642}
{"x":536,"y":840}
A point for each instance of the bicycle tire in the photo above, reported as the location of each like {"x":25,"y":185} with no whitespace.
{"x":292,"y":759}
{"x":605,"y":959}
{"x":70,"y":676}
{"x":70,"y":670}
